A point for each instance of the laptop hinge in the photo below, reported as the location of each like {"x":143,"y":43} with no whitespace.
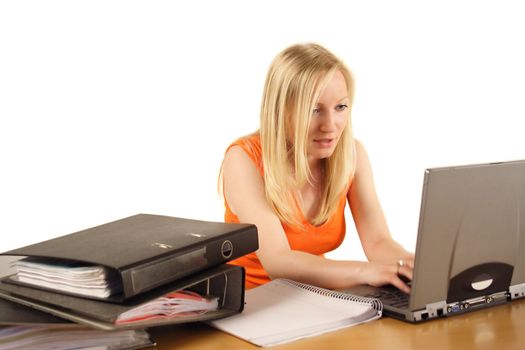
{"x":517,"y":291}
{"x":433,"y":310}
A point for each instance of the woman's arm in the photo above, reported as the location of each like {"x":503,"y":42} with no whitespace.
{"x":244,"y":191}
{"x":370,"y":220}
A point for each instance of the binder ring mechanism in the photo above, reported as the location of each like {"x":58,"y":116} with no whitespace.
{"x":224,"y":290}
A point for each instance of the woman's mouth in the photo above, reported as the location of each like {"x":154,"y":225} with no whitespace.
{"x":324,"y":143}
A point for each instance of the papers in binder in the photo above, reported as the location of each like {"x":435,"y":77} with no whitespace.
{"x":92,"y":280}
{"x":179,"y":304}
{"x":283,"y":310}
{"x":222,"y":287}
{"x":67,"y":276}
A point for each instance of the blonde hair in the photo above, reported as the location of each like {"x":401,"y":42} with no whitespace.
{"x":295,"y":80}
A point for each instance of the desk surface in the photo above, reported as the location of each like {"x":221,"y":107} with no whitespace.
{"x":500,"y":327}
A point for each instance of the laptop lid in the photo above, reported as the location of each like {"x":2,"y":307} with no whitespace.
{"x":470,"y":233}
{"x":470,"y":236}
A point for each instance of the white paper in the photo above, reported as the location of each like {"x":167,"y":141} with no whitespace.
{"x":73,"y":277}
{"x":279,"y":312}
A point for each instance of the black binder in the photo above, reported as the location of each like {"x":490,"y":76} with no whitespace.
{"x":12,"y":314}
{"x":225,"y":282}
{"x":148,"y":251}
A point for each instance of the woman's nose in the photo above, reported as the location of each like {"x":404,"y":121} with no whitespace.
{"x":328,"y":121}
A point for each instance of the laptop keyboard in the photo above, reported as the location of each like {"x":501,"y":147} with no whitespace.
{"x":391,"y":296}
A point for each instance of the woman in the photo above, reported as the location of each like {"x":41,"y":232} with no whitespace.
{"x":293,"y":177}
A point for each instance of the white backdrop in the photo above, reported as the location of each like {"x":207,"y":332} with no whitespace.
{"x":111,"y":108}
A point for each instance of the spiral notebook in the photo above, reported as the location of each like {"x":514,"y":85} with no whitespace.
{"x":283,"y":310}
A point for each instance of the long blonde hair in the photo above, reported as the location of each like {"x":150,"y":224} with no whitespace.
{"x":295,"y":80}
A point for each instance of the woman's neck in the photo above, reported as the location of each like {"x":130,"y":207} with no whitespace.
{"x":317,"y":170}
{"x":310,"y":194}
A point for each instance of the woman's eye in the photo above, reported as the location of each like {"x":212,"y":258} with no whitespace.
{"x":341,"y":107}
{"x":316,"y":110}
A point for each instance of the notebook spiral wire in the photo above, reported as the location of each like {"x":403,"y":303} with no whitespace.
{"x":375,"y":303}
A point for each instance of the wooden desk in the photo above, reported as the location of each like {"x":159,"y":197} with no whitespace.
{"x":499,"y":328}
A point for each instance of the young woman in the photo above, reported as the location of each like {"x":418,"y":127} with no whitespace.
{"x":293,"y":177}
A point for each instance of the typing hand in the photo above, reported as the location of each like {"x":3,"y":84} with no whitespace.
{"x":397,"y":274}
{"x":405,"y":269}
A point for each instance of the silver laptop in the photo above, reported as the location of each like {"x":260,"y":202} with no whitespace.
{"x":470,"y":251}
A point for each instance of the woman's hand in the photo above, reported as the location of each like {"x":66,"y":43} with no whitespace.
{"x":405,"y":267}
{"x":397,"y":274}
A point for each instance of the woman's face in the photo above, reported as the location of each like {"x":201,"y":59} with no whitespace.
{"x":329,"y":118}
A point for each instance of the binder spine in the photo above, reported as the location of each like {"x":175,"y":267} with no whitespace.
{"x":139,"y":279}
{"x":146,"y":277}
{"x":376,"y":304}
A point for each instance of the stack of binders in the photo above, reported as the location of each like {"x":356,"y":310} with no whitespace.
{"x":29,"y":329}
{"x":134,"y":273}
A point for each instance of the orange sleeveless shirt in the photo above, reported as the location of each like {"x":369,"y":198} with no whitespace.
{"x":306,"y":237}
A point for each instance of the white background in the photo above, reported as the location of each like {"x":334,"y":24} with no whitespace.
{"x":112,"y":108}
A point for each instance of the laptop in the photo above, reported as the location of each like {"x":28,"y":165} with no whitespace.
{"x":470,"y":244}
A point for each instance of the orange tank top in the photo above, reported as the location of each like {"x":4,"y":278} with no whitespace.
{"x":306,"y":237}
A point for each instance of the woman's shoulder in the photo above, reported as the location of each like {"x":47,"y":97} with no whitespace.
{"x":362,"y":160}
{"x":249,"y":145}
{"x":358,"y":145}
{"x":359,"y":150}
{"x":359,"y":157}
